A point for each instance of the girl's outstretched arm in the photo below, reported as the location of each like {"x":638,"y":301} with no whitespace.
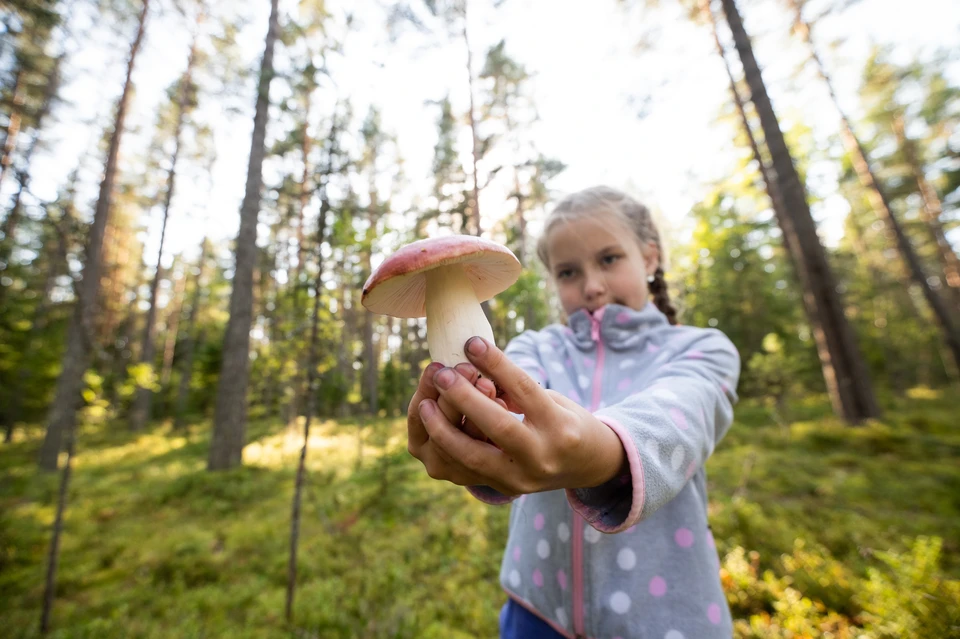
{"x":557,"y":445}
{"x":668,"y":429}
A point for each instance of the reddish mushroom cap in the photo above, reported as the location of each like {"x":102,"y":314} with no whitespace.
{"x":398,"y":287}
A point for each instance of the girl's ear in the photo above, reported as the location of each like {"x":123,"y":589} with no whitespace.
{"x":651,"y":257}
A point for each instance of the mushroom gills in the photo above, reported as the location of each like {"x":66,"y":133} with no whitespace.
{"x":454,"y":314}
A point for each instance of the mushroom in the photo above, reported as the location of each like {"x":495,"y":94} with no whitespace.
{"x":445,"y":279}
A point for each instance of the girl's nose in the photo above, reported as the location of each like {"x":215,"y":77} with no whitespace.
{"x":593,"y":286}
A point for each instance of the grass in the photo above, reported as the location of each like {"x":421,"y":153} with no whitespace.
{"x":824,"y":531}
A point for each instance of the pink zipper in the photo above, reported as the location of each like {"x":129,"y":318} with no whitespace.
{"x":578,"y":522}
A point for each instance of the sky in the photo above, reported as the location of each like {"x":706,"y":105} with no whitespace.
{"x":639,"y":118}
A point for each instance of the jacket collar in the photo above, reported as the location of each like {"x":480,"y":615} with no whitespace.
{"x":618,"y":327}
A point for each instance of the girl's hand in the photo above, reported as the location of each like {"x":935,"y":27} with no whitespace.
{"x":426,"y":390}
{"x":557,"y":445}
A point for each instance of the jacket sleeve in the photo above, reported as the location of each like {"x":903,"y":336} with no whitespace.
{"x":668,"y":430}
{"x":522,"y":351}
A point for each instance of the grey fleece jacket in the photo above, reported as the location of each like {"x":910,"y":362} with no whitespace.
{"x":633,"y":558}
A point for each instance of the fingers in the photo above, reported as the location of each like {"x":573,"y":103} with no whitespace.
{"x":490,"y":416}
{"x":470,"y":460}
{"x":416,"y":435}
{"x":525,"y":393}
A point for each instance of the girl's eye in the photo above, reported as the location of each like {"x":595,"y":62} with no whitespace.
{"x":610,"y":259}
{"x":564,"y":274}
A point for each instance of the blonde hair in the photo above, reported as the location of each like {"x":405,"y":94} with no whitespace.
{"x":632,"y":214}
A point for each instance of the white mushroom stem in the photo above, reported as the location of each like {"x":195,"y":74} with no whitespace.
{"x":454,"y":314}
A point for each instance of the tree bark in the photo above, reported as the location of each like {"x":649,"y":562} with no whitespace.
{"x":191,"y":342}
{"x":931,"y":211}
{"x":880,"y":200}
{"x":63,"y":411}
{"x":844,"y":369}
{"x":53,"y":554}
{"x":172,"y":329}
{"x":475,"y":140}
{"x":23,"y":175}
{"x":13,"y":124}
{"x":311,"y":393}
{"x":141,"y":408}
{"x":230,"y":413}
{"x":304,"y":193}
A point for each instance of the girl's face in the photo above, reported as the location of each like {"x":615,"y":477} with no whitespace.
{"x":596,"y":261}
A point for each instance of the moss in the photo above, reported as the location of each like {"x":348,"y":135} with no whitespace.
{"x":821,"y":529}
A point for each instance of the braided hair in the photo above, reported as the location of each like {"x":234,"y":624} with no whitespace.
{"x":634,"y":215}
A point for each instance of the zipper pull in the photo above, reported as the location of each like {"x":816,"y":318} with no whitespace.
{"x":594,"y":329}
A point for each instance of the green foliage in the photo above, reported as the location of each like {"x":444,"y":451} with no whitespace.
{"x":908,"y":596}
{"x":823,"y":530}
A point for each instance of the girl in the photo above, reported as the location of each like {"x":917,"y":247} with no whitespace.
{"x":599,"y":440}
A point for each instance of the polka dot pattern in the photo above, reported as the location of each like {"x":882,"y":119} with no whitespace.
{"x":627,"y":363}
{"x":624,"y":384}
{"x":514,"y":578}
{"x":626,"y":559}
{"x":652,"y":448}
{"x":683,"y":537}
{"x":674,"y":634}
{"x":665,"y":394}
{"x":562,"y":579}
{"x":620,"y":602}
{"x":538,"y":521}
{"x":658,"y":586}
{"x":516,"y":553}
{"x":713,"y":613}
{"x":591,"y":534}
{"x":679,"y":419}
{"x":538,"y":578}
{"x":676,"y":457}
{"x":563,"y":532}
{"x":543,"y":548}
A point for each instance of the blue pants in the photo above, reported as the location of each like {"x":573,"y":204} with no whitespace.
{"x":516,"y":622}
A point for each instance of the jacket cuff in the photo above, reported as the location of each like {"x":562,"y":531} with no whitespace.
{"x":616,"y":505}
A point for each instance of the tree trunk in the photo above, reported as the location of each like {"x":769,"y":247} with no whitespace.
{"x":141,"y":408}
{"x":62,"y":416}
{"x":172,"y":329}
{"x":230,"y":414}
{"x":191,"y":342}
{"x":53,"y":554}
{"x":23,"y":175}
{"x":474,"y":139}
{"x":931,"y":211}
{"x":304,"y":192}
{"x":311,"y":393}
{"x":880,"y":200}
{"x":13,"y":124}
{"x":844,"y":369}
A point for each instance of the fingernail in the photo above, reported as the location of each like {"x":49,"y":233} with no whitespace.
{"x":426,"y":409}
{"x":467,"y":370}
{"x":476,"y":346}
{"x":433,"y":367}
{"x":445,"y":378}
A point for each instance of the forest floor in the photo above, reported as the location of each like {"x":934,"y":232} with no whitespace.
{"x":823,"y":531}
